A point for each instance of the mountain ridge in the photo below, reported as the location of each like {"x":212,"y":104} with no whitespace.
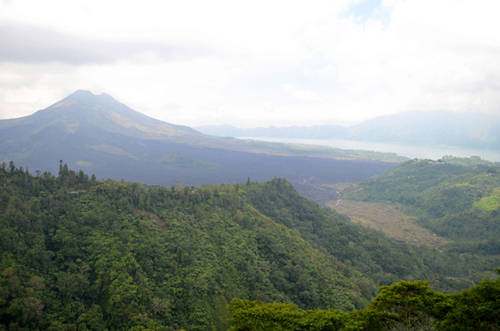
{"x":116,"y":111}
{"x":420,"y":128}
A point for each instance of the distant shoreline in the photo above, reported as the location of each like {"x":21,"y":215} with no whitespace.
{"x":421,"y":152}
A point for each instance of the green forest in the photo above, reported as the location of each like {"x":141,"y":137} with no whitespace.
{"x":78,"y":253}
{"x":402,"y":306}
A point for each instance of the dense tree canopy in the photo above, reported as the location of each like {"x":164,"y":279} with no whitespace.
{"x":77,"y":253}
{"x":401,"y":306}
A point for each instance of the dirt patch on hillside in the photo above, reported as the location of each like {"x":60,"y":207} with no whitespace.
{"x":388,"y":219}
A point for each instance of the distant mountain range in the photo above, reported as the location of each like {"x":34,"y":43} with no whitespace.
{"x":414,"y":128}
{"x":100,"y":135}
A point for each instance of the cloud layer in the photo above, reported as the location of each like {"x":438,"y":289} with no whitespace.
{"x":33,"y":44}
{"x":254,"y":63}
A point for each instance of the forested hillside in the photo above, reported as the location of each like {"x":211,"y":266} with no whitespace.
{"x":77,"y":253}
{"x":455,"y":198}
{"x":401,"y":306}
{"x":380,"y":259}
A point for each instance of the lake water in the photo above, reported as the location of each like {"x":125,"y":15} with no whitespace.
{"x":420,"y":152}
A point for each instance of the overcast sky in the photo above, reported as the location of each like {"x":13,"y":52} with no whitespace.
{"x":253,"y":63}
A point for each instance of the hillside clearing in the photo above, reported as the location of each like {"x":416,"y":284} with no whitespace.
{"x":388,"y":219}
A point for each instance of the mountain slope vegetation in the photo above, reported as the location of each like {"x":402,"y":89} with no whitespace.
{"x":383,"y":259}
{"x":455,"y":198}
{"x":123,"y":255}
{"x":401,"y":306}
{"x":88,"y":254}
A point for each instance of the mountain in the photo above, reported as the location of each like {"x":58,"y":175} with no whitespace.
{"x":432,"y":128}
{"x":414,"y":128}
{"x":100,"y":135}
{"x":82,"y":110}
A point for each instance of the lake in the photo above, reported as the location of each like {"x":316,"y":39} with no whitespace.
{"x":411,"y":151}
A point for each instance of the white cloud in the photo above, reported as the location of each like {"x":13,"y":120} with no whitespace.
{"x":258,"y":62}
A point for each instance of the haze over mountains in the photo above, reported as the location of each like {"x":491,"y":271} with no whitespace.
{"x":417,"y":128}
{"x":100,"y":135}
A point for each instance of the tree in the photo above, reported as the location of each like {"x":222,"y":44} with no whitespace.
{"x":413,"y":304}
{"x":477,"y":308}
